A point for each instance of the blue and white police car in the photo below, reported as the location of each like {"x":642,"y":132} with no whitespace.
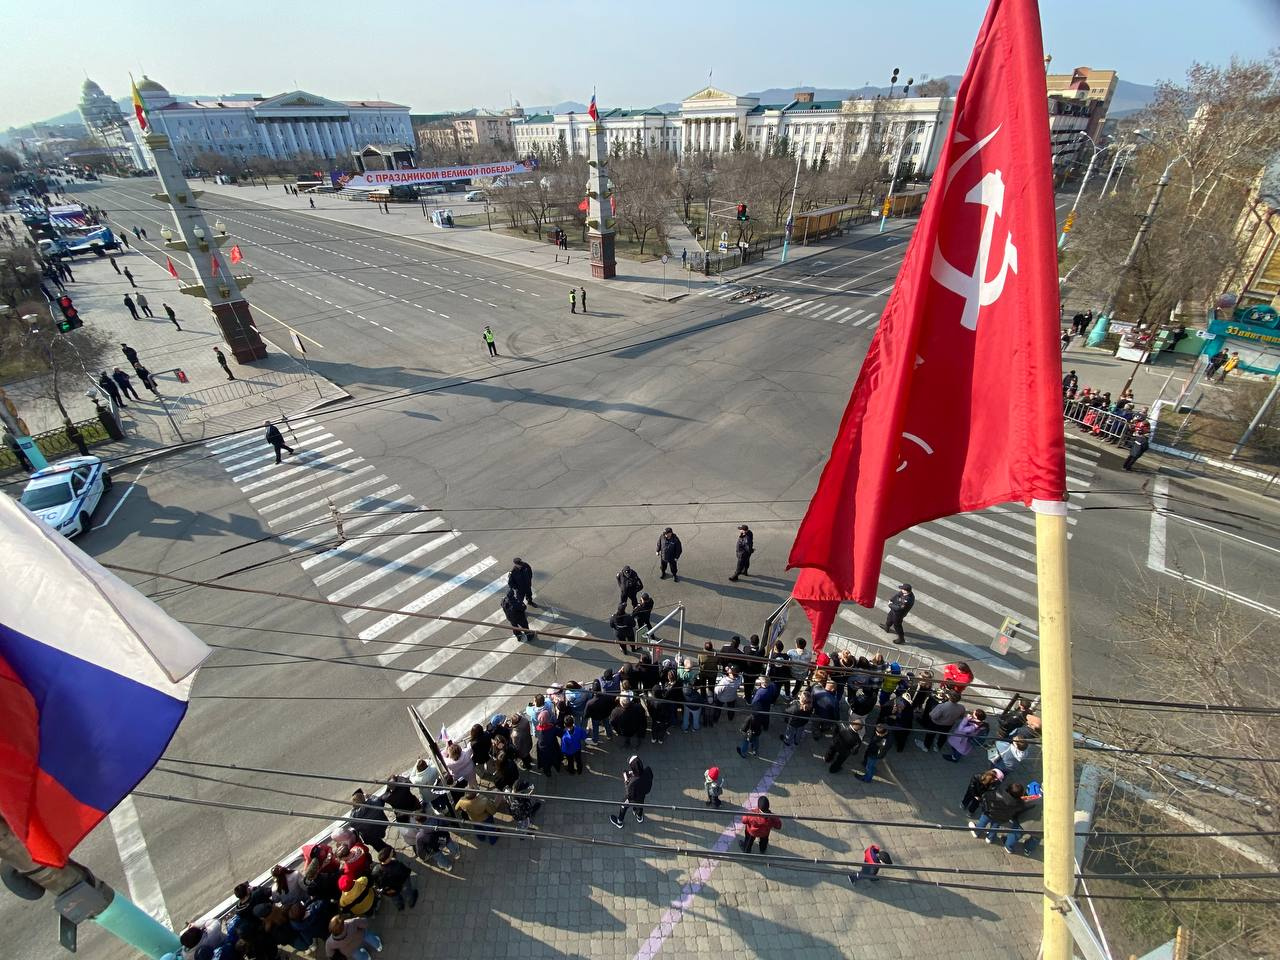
{"x":65,"y":494}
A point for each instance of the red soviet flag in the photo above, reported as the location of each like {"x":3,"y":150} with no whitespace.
{"x":958,"y":404}
{"x":173,"y":271}
{"x":236,"y":255}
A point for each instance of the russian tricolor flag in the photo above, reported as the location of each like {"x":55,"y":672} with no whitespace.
{"x":94,"y":680}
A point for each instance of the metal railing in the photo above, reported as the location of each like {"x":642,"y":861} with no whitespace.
{"x":1098,"y":421}
{"x":54,"y":443}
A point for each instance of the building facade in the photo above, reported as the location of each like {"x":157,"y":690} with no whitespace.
{"x":289,"y":126}
{"x":905,"y":129}
{"x":106,"y":123}
{"x":1092,"y":89}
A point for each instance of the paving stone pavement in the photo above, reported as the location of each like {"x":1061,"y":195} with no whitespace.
{"x":544,"y":899}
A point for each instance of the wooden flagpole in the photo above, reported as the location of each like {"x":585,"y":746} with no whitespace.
{"x":1055,"y":713}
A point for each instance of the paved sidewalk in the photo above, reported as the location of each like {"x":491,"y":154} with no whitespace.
{"x":207,"y":405}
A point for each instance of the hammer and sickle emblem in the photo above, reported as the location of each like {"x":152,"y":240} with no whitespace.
{"x":973,"y":286}
{"x":916,"y":440}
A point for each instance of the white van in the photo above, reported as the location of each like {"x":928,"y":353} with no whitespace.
{"x":475,"y":196}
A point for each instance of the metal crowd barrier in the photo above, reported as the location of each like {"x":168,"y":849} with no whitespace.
{"x":1111,"y":427}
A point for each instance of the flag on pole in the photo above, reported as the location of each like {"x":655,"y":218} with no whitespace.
{"x":173,"y":271}
{"x":958,"y":404}
{"x":217,"y":266}
{"x":592,"y":112}
{"x":139,"y":108}
{"x":236,"y":255}
{"x":94,"y":680}
{"x":585,"y":205}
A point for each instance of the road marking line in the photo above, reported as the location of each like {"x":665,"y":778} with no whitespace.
{"x":328,"y":535}
{"x":234,"y":461}
{"x":309,"y":465}
{"x":477,"y":668}
{"x":932,"y":602}
{"x":312,"y":490}
{"x":280,"y":488}
{"x":260,"y":470}
{"x":997,"y":525}
{"x":383,"y":548}
{"x":429,"y":598}
{"x":350,"y":616}
{"x":223,"y":444}
{"x":522,"y":679}
{"x":962,"y":570}
{"x":459,"y":609}
{"x":841,"y":312}
{"x":123,"y":498}
{"x":983,"y":538}
{"x":139,"y":871}
{"x":322,"y":503}
{"x":399,"y":563}
{"x":862,"y":320}
{"x":1211,"y":527}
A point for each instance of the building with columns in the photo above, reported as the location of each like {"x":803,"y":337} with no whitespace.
{"x":714,"y":121}
{"x":284,"y":127}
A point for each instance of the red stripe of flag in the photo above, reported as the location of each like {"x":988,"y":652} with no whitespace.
{"x":958,"y":404}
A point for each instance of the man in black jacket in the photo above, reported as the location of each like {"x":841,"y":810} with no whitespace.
{"x":513,"y":609}
{"x":900,"y":605}
{"x":276,"y":440}
{"x":624,"y":629}
{"x":746,"y":546}
{"x":629,"y":586}
{"x":846,"y":741}
{"x":520,"y":581}
{"x":668,"y":551}
{"x":369,"y":808}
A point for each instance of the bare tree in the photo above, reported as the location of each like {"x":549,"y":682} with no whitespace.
{"x":693,"y":178}
{"x":642,"y":186}
{"x":937,"y":87}
{"x":1213,"y":135}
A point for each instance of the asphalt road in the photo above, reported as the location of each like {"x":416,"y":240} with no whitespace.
{"x":573,"y":449}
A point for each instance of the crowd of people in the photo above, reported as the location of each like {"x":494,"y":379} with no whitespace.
{"x":1117,"y":421}
{"x":867,"y":708}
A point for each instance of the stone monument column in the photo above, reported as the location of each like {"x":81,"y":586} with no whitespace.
{"x":214,"y":282}
{"x":600,"y":220}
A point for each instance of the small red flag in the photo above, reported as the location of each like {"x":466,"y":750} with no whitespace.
{"x":958,"y":403}
{"x":592,"y":112}
{"x":173,"y":271}
{"x":584,"y":205}
{"x":217,"y":267}
{"x":236,"y":255}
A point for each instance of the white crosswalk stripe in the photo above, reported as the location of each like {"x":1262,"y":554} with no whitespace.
{"x":969,"y":572}
{"x":390,"y":548}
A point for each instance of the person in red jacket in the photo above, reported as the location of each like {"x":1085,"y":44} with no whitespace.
{"x":872,"y":857}
{"x":957,"y":676}
{"x":757,"y":825}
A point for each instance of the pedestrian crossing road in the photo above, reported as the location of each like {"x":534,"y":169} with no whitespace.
{"x":969,"y":572}
{"x":397,"y":556}
{"x":810,"y":305}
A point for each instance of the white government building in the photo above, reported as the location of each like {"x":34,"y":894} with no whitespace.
{"x":287,"y":126}
{"x":712,"y":120}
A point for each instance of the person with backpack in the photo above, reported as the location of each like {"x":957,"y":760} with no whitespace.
{"x":1000,"y":804}
{"x":629,"y":720}
{"x":638,"y":781}
{"x":872,"y":857}
{"x":629,"y":586}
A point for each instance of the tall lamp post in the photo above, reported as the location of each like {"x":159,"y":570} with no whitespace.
{"x":1071,"y":214}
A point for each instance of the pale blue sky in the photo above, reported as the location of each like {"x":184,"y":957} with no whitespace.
{"x":433,"y":55}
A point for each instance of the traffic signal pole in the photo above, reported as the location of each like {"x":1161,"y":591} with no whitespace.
{"x":82,"y":896}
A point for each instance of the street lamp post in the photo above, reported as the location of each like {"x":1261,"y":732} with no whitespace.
{"x":1071,"y":214}
{"x":786,"y":239}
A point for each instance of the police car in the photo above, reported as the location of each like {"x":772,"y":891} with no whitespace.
{"x":65,"y":494}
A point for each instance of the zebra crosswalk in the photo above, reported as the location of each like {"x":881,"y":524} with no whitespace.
{"x":969,"y":573}
{"x":397,"y":557}
{"x":815,"y":307}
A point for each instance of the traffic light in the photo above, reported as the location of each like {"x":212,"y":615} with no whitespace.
{"x":742,"y":211}
{"x":70,"y":315}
